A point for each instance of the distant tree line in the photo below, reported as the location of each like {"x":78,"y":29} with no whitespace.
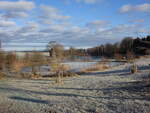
{"x":138,"y":46}
{"x":126,"y":48}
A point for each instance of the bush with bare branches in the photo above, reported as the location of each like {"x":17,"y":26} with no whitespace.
{"x":2,"y":75}
{"x":133,"y":68}
{"x":60,"y":70}
{"x":10,"y":59}
{"x":36,"y":59}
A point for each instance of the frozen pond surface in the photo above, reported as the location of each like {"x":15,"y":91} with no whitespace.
{"x":74,"y":66}
{"x":87,"y":64}
{"x":80,"y":65}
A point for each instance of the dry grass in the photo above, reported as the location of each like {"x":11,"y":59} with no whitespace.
{"x":35,"y":76}
{"x":64,"y":67}
{"x":58,"y":80}
{"x":96,"y":67}
{"x":118,"y":56}
{"x":2,"y":75}
{"x":18,"y":65}
{"x":65,"y":74}
{"x":23,"y":75}
{"x":59,"y":67}
{"x":27,"y":76}
{"x":145,"y":56}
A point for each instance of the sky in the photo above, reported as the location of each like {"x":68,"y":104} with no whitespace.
{"x":31,"y":24}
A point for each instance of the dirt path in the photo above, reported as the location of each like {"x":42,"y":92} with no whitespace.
{"x":114,"y":91}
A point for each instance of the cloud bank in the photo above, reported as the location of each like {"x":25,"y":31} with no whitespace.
{"x":49,"y":24}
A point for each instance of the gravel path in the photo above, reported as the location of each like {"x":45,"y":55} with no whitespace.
{"x":114,"y":91}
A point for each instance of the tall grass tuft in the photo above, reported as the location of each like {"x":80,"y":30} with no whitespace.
{"x":96,"y":67}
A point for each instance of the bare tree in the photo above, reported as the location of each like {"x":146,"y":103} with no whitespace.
{"x":55,"y":50}
{"x":126,"y":45}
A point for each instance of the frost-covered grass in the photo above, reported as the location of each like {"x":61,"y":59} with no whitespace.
{"x":113,"y":91}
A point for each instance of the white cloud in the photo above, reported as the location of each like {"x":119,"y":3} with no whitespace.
{"x":29,"y":29}
{"x":143,"y":7}
{"x":4,"y":23}
{"x":70,"y":35}
{"x":137,"y":8}
{"x":97,"y":24}
{"x":88,"y":1}
{"x":16,"y":6}
{"x":59,"y":29}
{"x":137,"y":21}
{"x":53,"y":29}
{"x":123,"y":30}
{"x":125,"y":9}
{"x":49,"y":14}
{"x":16,"y":9}
{"x":15,"y":15}
{"x":143,"y":30}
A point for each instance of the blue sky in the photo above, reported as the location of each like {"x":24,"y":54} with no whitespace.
{"x":31,"y":24}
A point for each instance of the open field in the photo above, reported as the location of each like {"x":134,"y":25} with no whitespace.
{"x":112,"y":91}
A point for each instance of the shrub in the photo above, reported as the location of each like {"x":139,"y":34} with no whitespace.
{"x":1,"y":75}
{"x":59,"y":69}
{"x":133,"y":68}
{"x":10,"y":59}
